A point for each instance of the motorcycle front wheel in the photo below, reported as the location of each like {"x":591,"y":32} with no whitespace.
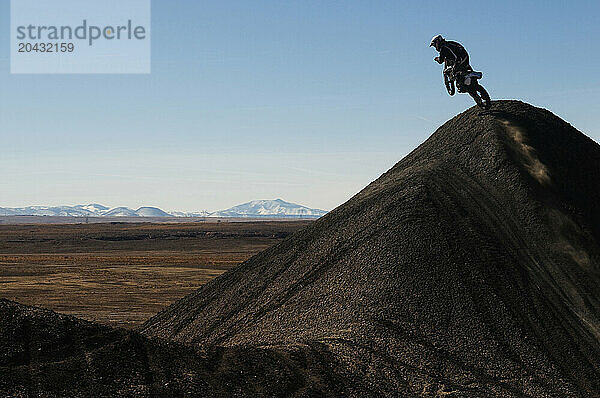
{"x":449,"y":85}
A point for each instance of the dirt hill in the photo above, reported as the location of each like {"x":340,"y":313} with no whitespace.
{"x":469,"y":269}
{"x":471,"y":266}
{"x":45,"y":354}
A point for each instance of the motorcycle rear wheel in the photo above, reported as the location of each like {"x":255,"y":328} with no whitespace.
{"x":487,"y":101}
{"x":481,"y":96}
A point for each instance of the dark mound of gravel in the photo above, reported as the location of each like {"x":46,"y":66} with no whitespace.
{"x":45,"y":354}
{"x":472,"y":266}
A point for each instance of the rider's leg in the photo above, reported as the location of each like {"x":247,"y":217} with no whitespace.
{"x":461,"y":71}
{"x":460,"y":81}
{"x":476,"y":97}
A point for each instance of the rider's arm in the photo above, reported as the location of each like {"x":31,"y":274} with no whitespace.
{"x":440,"y":59}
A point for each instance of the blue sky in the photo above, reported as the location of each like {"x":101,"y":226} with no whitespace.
{"x":304,"y":100}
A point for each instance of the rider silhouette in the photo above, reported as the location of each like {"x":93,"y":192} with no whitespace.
{"x":457,"y":70}
{"x":453,"y":55}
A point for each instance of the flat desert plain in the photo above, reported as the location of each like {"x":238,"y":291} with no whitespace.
{"x":123,"y":273}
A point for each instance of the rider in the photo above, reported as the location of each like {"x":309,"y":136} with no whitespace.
{"x":454,"y":55}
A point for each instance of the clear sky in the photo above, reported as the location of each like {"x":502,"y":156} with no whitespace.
{"x":304,"y":100}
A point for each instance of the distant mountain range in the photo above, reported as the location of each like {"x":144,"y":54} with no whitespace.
{"x":269,"y":208}
{"x":259,"y":208}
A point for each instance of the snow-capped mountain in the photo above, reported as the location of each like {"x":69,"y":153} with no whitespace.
{"x":93,"y":208}
{"x":6,"y":212}
{"x":270,"y":208}
{"x":120,"y":212}
{"x":151,"y":212}
{"x":203,"y":213}
{"x":65,"y":211}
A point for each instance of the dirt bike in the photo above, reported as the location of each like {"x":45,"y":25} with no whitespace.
{"x":467,"y":82}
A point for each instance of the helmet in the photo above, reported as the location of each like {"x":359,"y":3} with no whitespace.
{"x":436,"y":41}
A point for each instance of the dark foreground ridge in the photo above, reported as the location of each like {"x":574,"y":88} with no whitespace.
{"x":45,"y":354}
{"x":471,"y":267}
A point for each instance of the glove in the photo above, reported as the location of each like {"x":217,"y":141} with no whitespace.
{"x":437,"y":59}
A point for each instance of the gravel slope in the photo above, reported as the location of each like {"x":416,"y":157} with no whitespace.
{"x":471,"y":266}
